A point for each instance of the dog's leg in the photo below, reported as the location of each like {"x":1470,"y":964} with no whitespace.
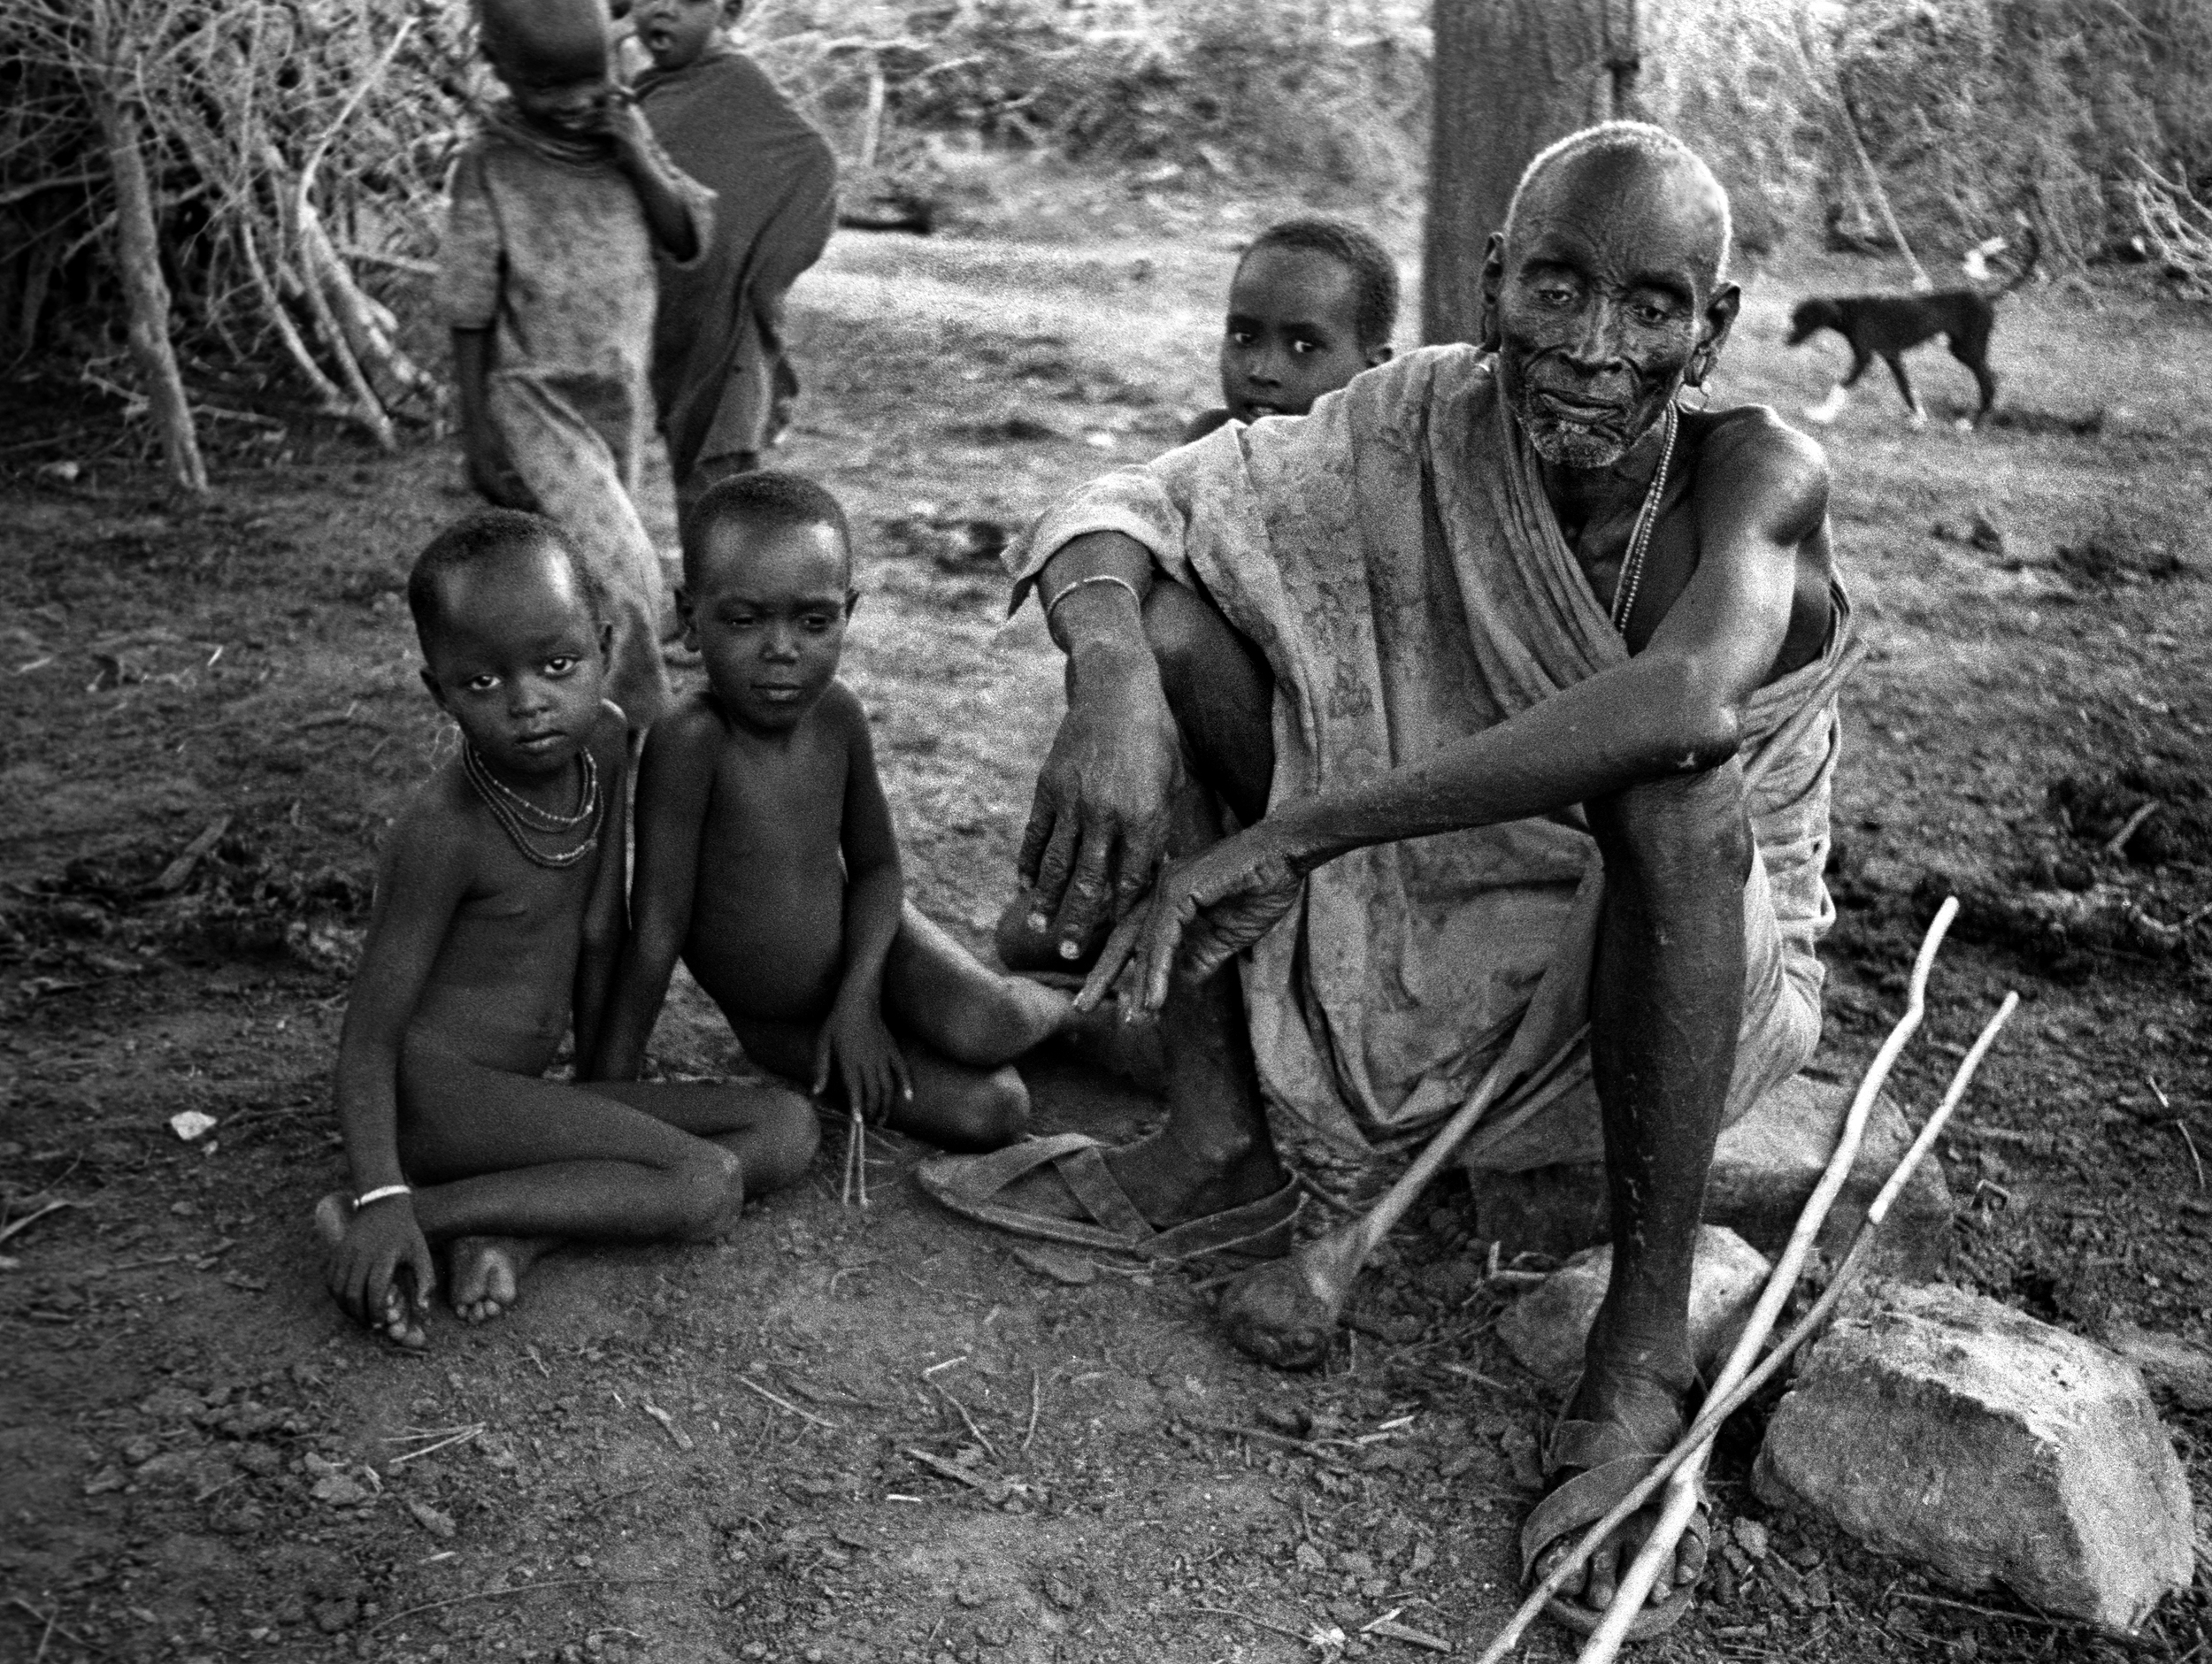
{"x":1831,"y":407}
{"x":1918,"y":417}
{"x":1973,"y":354}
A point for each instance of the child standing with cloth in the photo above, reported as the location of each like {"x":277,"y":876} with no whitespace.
{"x":563,"y":207}
{"x":723,"y":381}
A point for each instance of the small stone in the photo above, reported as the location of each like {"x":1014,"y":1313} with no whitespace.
{"x":1752,"y":1537}
{"x":333,"y":1616}
{"x":438,"y":1523}
{"x":1936,"y":1424}
{"x":1547,"y":1327}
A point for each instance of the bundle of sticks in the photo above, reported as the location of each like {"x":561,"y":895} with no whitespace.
{"x":1745,"y":1372}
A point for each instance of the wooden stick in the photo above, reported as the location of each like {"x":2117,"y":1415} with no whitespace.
{"x":1656,"y":1557}
{"x":782,"y":1403}
{"x":1731,"y":1388}
{"x":981,"y":1438}
{"x":2119,"y":839}
{"x":28,"y":1220}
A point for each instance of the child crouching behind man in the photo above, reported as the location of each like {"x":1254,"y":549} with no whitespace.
{"x":767,"y":858}
{"x":497,"y":925}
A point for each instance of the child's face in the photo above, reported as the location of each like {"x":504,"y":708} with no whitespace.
{"x":515,"y":658}
{"x":675,"y":31}
{"x":768,"y":616}
{"x":1291,"y":336}
{"x":564,"y":95}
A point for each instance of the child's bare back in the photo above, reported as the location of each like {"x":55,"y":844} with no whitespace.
{"x":767,"y":859}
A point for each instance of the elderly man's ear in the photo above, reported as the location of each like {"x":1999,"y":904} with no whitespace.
{"x":1720,"y":317}
{"x":1493,"y":276}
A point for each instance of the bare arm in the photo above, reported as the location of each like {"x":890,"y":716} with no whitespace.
{"x":422,"y":877}
{"x":675,"y":780}
{"x":1101,"y":811}
{"x":472,"y":369}
{"x":606,"y":913}
{"x":854,"y":1039}
{"x":1675,"y":707}
{"x":659,"y":186}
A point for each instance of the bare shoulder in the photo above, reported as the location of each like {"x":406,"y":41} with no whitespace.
{"x":690,"y":728}
{"x":1755,"y":438}
{"x":1749,"y":461}
{"x":437,"y":830}
{"x":842,"y":715}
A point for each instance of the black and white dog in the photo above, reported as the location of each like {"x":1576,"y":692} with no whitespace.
{"x":1886,"y":326}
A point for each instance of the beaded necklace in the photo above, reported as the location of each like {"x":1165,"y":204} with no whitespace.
{"x":518,"y":816}
{"x":1631,"y":575}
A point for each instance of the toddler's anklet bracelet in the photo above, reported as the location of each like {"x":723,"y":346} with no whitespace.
{"x":1095,"y":577}
{"x":383,"y":1193}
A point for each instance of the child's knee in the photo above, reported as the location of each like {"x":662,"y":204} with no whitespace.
{"x":782,"y":1143}
{"x":984,"y":1033}
{"x":710,"y":1193}
{"x":990,"y":1115}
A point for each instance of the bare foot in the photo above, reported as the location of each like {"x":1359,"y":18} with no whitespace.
{"x":484,"y":1274}
{"x":1639,"y":1413}
{"x":333,"y":1216}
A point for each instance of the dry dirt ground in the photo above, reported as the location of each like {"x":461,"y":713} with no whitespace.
{"x":883,"y":1435}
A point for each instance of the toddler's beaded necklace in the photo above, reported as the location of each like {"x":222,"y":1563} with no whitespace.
{"x":1631,"y":575}
{"x":518,"y":816}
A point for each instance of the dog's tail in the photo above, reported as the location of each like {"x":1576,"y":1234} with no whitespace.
{"x":2034,"y":240}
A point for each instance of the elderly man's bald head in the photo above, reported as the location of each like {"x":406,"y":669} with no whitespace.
{"x":1624,"y":156}
{"x":1605,"y":294}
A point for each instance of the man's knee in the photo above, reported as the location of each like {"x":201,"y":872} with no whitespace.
{"x":1686,"y":826}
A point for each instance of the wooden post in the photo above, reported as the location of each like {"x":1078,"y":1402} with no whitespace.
{"x":1510,"y":77}
{"x":138,"y":258}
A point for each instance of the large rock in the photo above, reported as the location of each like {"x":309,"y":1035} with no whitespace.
{"x":1546,"y":1327}
{"x":1763,"y":1169}
{"x":1936,"y":1424}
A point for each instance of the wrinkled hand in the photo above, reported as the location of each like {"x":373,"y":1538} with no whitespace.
{"x":1201,"y":912}
{"x":383,"y":1239}
{"x":1098,"y":825}
{"x":859,"y":1051}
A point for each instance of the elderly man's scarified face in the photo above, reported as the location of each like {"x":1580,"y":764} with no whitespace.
{"x":1605,"y":294}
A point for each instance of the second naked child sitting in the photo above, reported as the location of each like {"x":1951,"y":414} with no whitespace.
{"x":767,"y":861}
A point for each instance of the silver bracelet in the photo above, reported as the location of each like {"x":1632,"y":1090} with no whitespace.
{"x":383,"y":1193}
{"x":1095,"y":577}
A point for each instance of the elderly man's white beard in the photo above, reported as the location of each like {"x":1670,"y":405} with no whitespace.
{"x":1572,"y":445}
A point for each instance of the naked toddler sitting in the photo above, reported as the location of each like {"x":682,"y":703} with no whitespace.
{"x":497,"y":922}
{"x":766,"y":857}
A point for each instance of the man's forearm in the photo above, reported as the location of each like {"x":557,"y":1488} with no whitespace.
{"x":1645,"y":721}
{"x":1085,"y":616}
